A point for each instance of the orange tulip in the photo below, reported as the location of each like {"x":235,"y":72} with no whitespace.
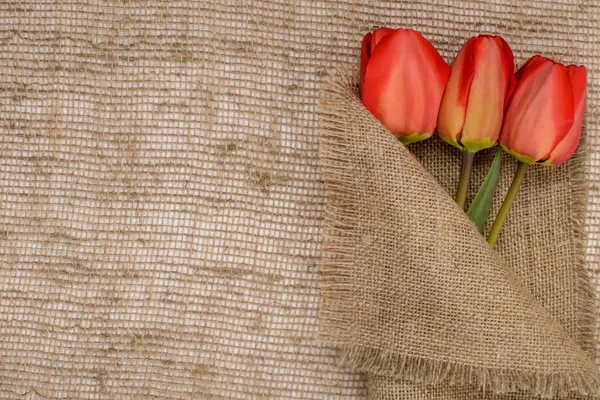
{"x":543,"y":121}
{"x":480,"y":84}
{"x":402,"y":81}
{"x":545,"y":115}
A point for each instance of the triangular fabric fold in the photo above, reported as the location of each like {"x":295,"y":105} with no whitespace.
{"x":410,"y":288}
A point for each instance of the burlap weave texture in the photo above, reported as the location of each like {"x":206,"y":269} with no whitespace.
{"x":161,"y":195}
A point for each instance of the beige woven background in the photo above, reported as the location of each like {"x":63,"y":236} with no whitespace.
{"x":161,"y":198}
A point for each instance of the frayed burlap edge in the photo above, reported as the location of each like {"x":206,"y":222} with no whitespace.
{"x":498,"y":381}
{"x":337,"y":262}
{"x":339,"y":220}
{"x":586,"y":296}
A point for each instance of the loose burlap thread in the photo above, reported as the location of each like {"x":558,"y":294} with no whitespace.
{"x":162,"y":199}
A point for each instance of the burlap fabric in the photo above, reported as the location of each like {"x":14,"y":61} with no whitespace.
{"x":162,"y":199}
{"x":413,"y":292}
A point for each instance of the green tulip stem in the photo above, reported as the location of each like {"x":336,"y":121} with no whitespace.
{"x":463,"y":182}
{"x":508,"y":200}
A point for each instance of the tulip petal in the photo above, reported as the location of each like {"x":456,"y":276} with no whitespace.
{"x":567,"y":146}
{"x":404,"y":82}
{"x":509,"y":59}
{"x":487,"y":97}
{"x":365,"y":54}
{"x":532,"y":67}
{"x":369,"y":42}
{"x":540,"y":113}
{"x":453,"y":107}
{"x":435,"y":77}
{"x":379,"y":34}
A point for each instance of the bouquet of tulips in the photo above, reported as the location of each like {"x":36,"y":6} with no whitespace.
{"x":535,"y":114}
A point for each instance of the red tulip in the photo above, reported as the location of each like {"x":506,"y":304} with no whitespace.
{"x":480,"y":84}
{"x":544,"y":118}
{"x":402,"y":81}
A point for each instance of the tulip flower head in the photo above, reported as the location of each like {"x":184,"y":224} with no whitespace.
{"x":402,"y":81}
{"x":480,"y":84}
{"x":545,"y":116}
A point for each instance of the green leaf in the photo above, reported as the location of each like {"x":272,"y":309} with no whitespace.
{"x":480,"y":207}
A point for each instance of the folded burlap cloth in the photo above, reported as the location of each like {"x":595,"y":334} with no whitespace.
{"x":413,"y":294}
